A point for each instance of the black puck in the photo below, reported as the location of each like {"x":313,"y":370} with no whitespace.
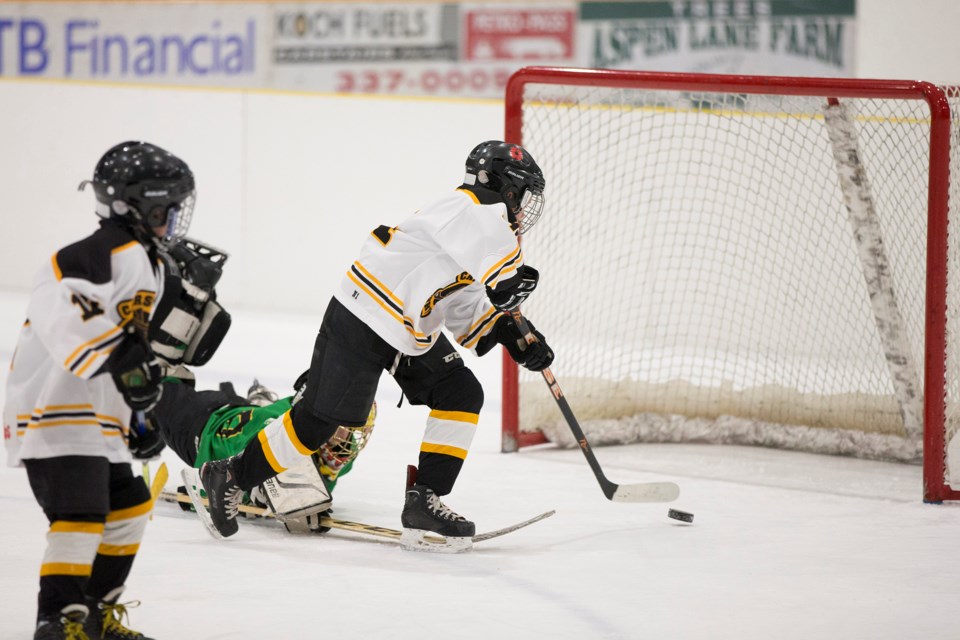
{"x":682,"y":516}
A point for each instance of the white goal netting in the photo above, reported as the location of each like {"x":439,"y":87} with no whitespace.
{"x":703,"y":277}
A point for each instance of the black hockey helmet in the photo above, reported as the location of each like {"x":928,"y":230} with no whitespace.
{"x":510,"y":170}
{"x":146,"y":187}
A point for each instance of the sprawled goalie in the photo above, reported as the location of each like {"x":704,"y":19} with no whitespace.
{"x":199,"y":426}
{"x":211,"y":425}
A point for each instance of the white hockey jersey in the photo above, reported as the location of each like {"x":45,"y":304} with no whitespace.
{"x":83,"y":301}
{"x":429,"y":273}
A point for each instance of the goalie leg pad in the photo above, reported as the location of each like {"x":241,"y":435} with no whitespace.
{"x":297,"y":492}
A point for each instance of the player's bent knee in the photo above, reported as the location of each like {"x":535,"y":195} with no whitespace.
{"x":461,"y":392}
{"x":311,"y":430}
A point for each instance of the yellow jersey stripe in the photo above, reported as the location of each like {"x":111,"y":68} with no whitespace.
{"x":90,"y":360}
{"x":60,"y":423}
{"x":468,"y":340}
{"x":499,"y":265}
{"x":362,"y":285}
{"x":109,"y":333}
{"x":56,"y":268}
{"x":63,"y":407}
{"x":386,"y":291}
{"x":124,"y":247}
{"x":422,"y":337}
{"x":472,"y":195}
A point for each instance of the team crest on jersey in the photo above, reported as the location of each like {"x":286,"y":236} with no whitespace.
{"x":462,"y":280}
{"x":136,"y":310}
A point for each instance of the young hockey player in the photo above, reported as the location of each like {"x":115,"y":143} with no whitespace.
{"x":212,"y":425}
{"x":455,"y":265}
{"x":81,"y":375}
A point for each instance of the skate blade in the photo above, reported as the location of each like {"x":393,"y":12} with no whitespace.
{"x":421,"y":540}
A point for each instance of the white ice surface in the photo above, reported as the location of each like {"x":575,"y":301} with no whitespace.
{"x":784,"y":545}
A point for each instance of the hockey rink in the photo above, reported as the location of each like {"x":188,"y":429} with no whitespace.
{"x":784,"y":545}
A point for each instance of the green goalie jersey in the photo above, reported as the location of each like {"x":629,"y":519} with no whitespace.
{"x":230,"y":429}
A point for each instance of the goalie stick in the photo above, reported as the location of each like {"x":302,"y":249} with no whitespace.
{"x":193,"y":499}
{"x":642,"y":492}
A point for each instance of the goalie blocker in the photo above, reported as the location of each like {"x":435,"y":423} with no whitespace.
{"x":189,"y":324}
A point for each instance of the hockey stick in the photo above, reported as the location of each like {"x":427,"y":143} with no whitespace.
{"x":347,"y":525}
{"x":642,"y":492}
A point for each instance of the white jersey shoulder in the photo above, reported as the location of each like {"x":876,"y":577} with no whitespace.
{"x":84,"y":300}
{"x":430,"y":272}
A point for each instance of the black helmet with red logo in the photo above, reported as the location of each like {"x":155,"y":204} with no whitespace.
{"x":511,"y":171}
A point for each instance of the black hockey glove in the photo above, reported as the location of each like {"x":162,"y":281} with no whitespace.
{"x":144,"y":439}
{"x":511,"y":293}
{"x":535,"y":357}
{"x":136,"y":372}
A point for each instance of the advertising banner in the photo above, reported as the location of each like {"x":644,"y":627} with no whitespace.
{"x":762,"y":37}
{"x":423,"y":49}
{"x":190,"y":44}
{"x":416,"y":48}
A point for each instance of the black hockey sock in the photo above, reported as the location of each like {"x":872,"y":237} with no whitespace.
{"x":438,"y":471}
{"x":252,"y":467}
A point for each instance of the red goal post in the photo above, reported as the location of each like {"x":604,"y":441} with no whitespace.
{"x":743,"y":259}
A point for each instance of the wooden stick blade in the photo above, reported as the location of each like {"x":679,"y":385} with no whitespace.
{"x":646,"y":492}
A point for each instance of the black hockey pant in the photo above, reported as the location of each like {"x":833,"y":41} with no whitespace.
{"x":348,"y":360}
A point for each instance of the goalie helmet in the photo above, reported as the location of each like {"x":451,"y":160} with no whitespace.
{"x":343,"y":447}
{"x":146,"y":187}
{"x":511,"y":171}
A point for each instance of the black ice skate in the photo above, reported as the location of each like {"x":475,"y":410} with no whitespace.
{"x":65,"y":625}
{"x":224,"y":495}
{"x":423,"y":514}
{"x":107,"y":617}
{"x":259,"y":395}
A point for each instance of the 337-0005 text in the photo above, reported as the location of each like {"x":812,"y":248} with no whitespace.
{"x":487,"y":82}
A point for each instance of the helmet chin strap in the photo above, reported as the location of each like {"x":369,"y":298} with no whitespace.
{"x":512,"y":198}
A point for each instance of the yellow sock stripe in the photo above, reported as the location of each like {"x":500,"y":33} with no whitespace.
{"x":456,"y":416}
{"x":299,"y":446}
{"x":268,"y":452}
{"x":65,"y":569}
{"x":130,"y":512}
{"x":65,"y":526}
{"x":118,"y":549}
{"x":456,"y":452}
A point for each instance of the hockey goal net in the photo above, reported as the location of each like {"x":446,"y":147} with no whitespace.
{"x":747,"y":260}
